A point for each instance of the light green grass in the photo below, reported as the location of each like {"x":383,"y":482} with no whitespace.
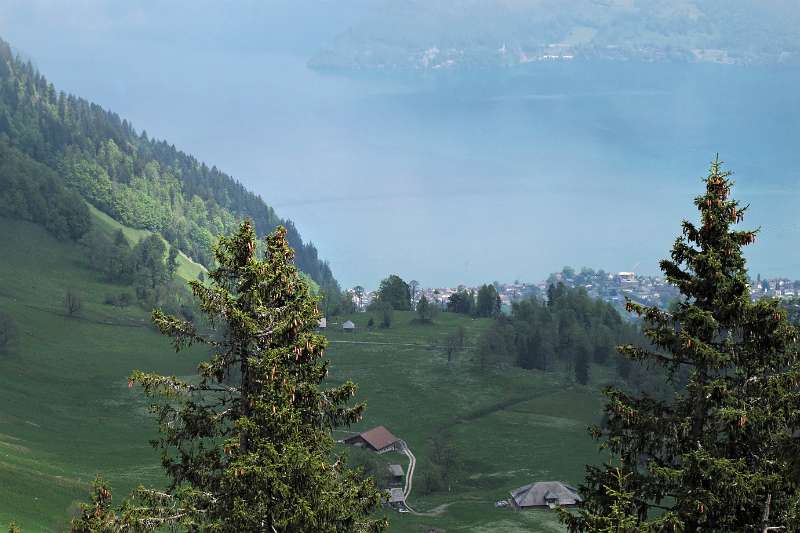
{"x":67,"y":412}
{"x":187,"y":268}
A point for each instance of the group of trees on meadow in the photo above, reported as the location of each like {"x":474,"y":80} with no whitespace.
{"x":139,"y":181}
{"x":568,"y":331}
{"x":485,"y":304}
{"x":398,"y":295}
{"x":148,"y":267}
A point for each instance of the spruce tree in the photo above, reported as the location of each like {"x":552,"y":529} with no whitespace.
{"x":247,"y":444}
{"x":713,"y":457}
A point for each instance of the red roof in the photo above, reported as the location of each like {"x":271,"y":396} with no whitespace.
{"x":378,"y":438}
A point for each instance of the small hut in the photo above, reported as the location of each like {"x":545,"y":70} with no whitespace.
{"x":397,"y":499}
{"x":348,"y":326}
{"x":395,"y":474}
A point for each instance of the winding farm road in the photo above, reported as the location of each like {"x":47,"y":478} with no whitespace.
{"x":412,"y":464}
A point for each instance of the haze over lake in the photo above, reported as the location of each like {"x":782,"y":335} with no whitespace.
{"x":443,"y":177}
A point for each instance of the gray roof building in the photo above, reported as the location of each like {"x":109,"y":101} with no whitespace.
{"x":396,"y":470}
{"x":545,"y":494}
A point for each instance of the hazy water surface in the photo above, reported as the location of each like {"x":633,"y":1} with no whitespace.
{"x":457,"y":178}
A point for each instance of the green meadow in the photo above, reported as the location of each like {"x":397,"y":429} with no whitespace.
{"x":68,"y":412}
{"x":509,"y":426}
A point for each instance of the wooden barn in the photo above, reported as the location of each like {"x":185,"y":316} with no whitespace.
{"x":378,"y":439}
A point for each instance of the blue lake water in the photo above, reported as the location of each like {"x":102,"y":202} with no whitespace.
{"x":464,"y":177}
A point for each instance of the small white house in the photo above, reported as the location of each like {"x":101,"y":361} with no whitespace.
{"x":349,"y":326}
{"x":323,"y":323}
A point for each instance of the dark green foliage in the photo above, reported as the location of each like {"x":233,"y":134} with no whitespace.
{"x":110,"y":257}
{"x":31,"y":191}
{"x":387,"y":315}
{"x":582,"y":364}
{"x":461,"y":301}
{"x":718,"y":456}
{"x":395,"y":292}
{"x":488,"y":302}
{"x":622,"y":509}
{"x":149,"y":268}
{"x":570,"y":326}
{"x":496,"y":344}
{"x":72,"y":303}
{"x":335,"y":302}
{"x":9,"y":333}
{"x":123,"y":299}
{"x":172,"y":262}
{"x":97,"y":516}
{"x":247,"y":445}
{"x":425,"y":310}
{"x":141,"y":182}
{"x":454,"y":343}
{"x":444,"y":465}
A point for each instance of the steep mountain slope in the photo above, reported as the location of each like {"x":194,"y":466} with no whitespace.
{"x":139,"y":181}
{"x":416,"y":34}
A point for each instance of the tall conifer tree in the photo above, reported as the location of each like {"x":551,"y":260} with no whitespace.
{"x":247,"y":444}
{"x":712,"y":458}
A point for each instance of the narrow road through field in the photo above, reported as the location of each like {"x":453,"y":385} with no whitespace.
{"x":412,"y":464}
{"x":417,"y":345}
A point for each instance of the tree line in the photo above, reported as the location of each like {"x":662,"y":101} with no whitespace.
{"x":568,"y":331}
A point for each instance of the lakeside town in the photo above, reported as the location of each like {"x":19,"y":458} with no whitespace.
{"x":612,"y":287}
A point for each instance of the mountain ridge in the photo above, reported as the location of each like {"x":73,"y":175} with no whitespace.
{"x":435,"y":35}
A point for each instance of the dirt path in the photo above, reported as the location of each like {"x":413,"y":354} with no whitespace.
{"x":412,"y":464}
{"x":385,"y":343}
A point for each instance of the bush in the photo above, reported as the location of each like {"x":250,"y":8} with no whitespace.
{"x":72,"y":303}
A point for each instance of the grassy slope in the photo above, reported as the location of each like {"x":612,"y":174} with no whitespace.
{"x":187,"y":269}
{"x":66,"y":410}
{"x":511,"y":427}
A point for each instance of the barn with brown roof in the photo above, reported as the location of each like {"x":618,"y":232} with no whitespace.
{"x":378,"y":439}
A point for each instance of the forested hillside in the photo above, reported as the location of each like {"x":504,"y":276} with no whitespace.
{"x":139,"y":181}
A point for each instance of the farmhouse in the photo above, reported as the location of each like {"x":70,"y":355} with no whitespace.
{"x":349,"y":326}
{"x":545,"y":494}
{"x":377,"y":439}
